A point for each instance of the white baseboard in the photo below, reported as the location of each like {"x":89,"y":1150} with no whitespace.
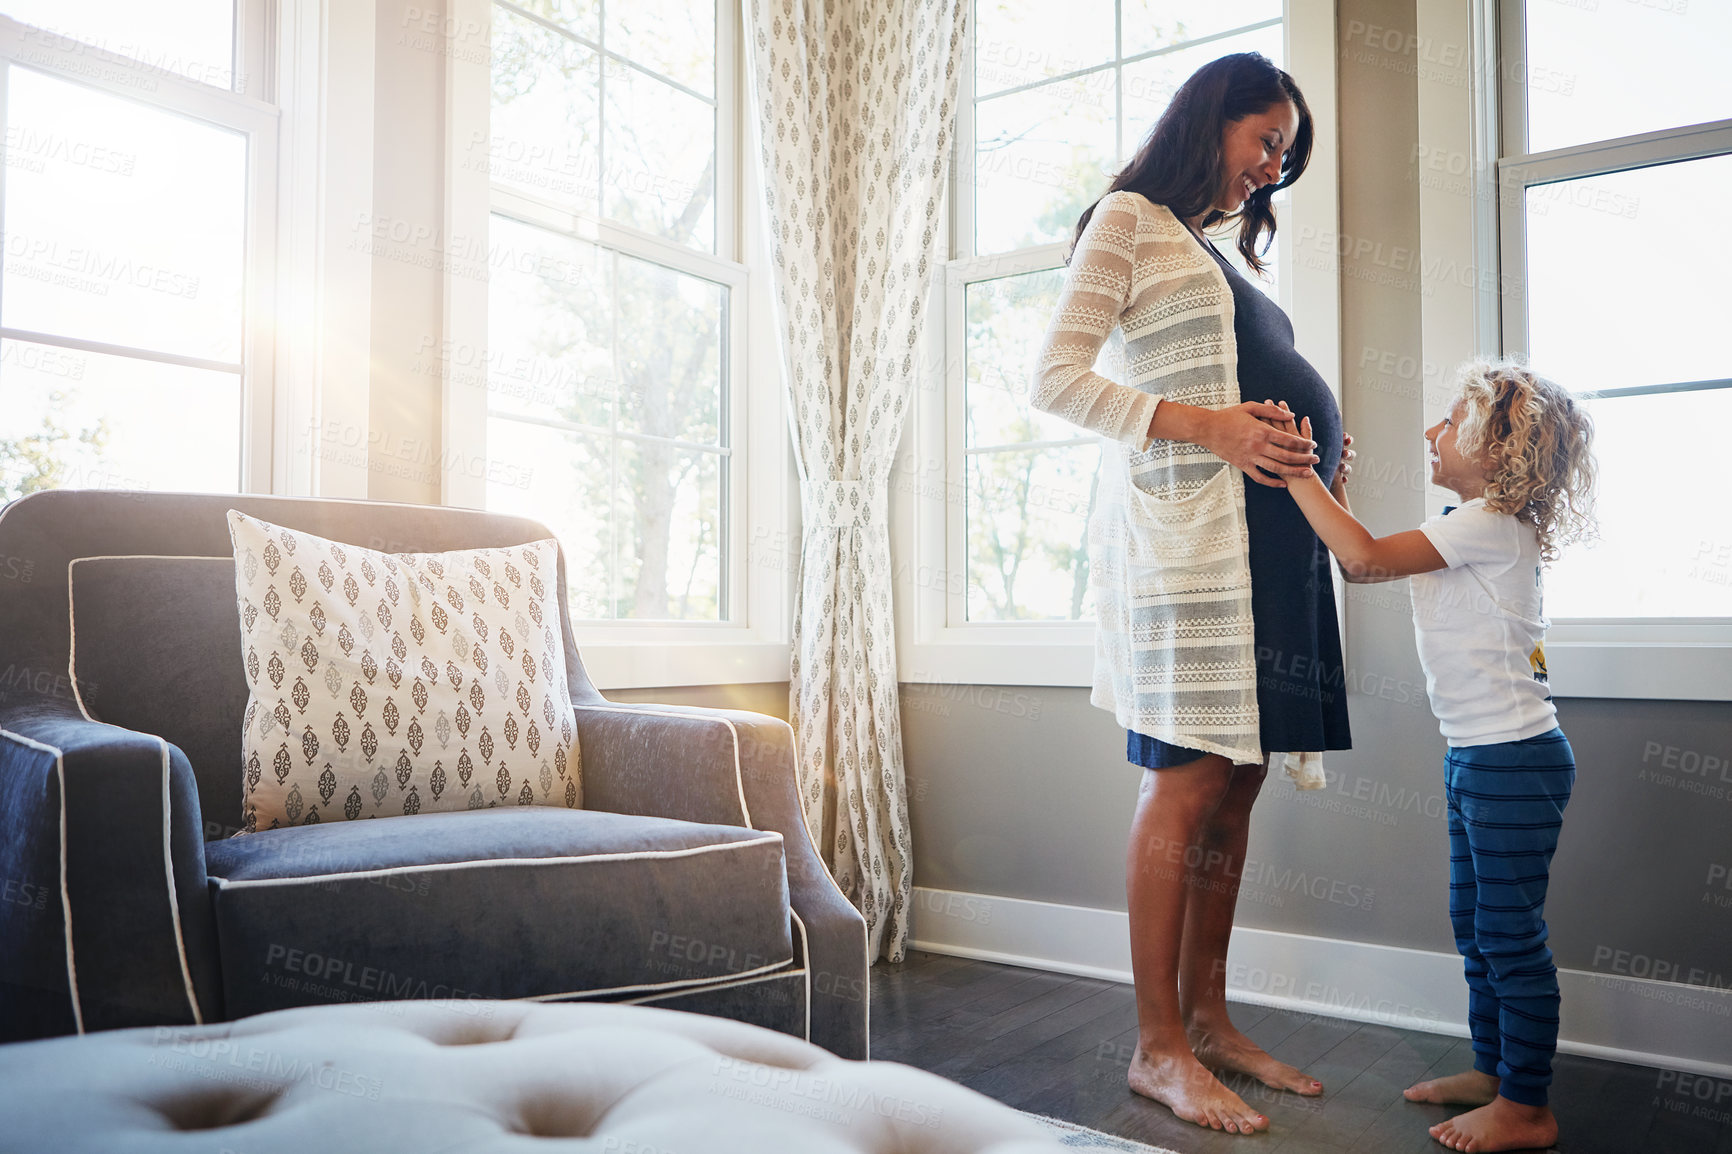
{"x":1621,"y":1019}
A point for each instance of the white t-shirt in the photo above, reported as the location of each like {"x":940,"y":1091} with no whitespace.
{"x":1480,"y":631}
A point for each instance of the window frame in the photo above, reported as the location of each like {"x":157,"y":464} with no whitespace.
{"x":1668,"y":658}
{"x":325,"y":64}
{"x":751,"y":643}
{"x":929,"y":486}
{"x":262,"y":437}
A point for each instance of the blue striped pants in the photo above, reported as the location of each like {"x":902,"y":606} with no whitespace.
{"x":1506,"y":805}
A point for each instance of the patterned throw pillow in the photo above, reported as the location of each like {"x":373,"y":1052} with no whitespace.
{"x":387,"y":684}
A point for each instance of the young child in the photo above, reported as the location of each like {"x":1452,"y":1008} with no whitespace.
{"x":1517,"y":449}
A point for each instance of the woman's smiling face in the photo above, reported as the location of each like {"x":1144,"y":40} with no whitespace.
{"x":1251,"y":153}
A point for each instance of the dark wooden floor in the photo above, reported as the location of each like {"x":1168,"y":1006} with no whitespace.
{"x":1057,"y":1045}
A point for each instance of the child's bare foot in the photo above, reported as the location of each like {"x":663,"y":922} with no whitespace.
{"x":1502,"y":1125}
{"x":1220,"y":1046}
{"x":1179,"y":1082}
{"x":1468,"y":1088}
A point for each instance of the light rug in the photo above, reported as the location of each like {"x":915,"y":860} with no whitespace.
{"x":1074,"y":1137}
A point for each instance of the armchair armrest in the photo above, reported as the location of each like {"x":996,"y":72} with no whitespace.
{"x":102,"y":825}
{"x":728,"y":767}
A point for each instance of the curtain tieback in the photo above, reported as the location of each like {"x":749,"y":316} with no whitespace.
{"x":846,"y":504}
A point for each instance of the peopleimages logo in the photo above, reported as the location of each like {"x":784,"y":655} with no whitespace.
{"x":233,"y":1060}
{"x":1609,"y":960}
{"x":1323,"y":996}
{"x":789,"y":1089}
{"x":31,"y":895}
{"x":42,"y":148}
{"x":92,"y":270}
{"x":343,"y":975}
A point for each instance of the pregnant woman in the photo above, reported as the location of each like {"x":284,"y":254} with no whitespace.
{"x":1217,"y":643}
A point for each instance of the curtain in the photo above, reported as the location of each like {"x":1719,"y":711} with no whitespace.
{"x":854,"y":101}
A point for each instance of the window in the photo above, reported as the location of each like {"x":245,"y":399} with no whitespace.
{"x":1060,"y":99}
{"x":1616,"y":131}
{"x":595,"y":371}
{"x":611,"y":300}
{"x":1053,"y":101}
{"x":139,"y":221}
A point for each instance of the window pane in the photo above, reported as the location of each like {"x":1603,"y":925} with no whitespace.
{"x":1007,"y":318}
{"x":1598,"y":71}
{"x":193,"y":38}
{"x":563,"y":483}
{"x":670,"y":352}
{"x":1041,"y":157}
{"x":640,"y":519}
{"x":1026,"y":510}
{"x":1028,"y":534}
{"x":1150,"y":24}
{"x":131,"y":231}
{"x":676,"y":38}
{"x":580,"y":16}
{"x":1619,"y":293}
{"x":1150,"y":84}
{"x":549,"y":327}
{"x":1656,"y":557}
{"x":546,"y":94}
{"x":71,"y":419}
{"x":668,"y":509}
{"x":1017,"y":43}
{"x":660,"y":153}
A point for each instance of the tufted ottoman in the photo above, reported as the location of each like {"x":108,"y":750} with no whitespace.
{"x":482,"y":1077}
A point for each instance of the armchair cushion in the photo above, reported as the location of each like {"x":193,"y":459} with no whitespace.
{"x":388,"y":684}
{"x":531,"y":902}
{"x":148,"y":636}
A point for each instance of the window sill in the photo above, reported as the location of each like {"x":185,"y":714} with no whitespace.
{"x":649,"y":665}
{"x":1646,"y":670}
{"x":1672,"y":671}
{"x":1052,"y":661}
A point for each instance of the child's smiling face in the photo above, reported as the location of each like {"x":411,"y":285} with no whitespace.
{"x":1449,"y":468}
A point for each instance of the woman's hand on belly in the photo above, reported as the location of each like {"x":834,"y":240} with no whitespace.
{"x":1344,"y":466}
{"x":1248,"y":437}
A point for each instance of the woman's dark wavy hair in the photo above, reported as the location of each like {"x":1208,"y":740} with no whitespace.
{"x":1179,"y":163}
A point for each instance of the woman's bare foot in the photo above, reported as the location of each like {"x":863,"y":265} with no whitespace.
{"x":1220,"y":1046}
{"x":1468,"y":1088}
{"x":1502,"y":1125}
{"x":1180,"y":1083}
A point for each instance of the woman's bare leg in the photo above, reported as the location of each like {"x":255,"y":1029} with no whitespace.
{"x":1215,"y":879}
{"x":1172,"y":808}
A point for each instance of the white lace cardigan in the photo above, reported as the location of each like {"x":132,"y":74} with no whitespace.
{"x":1169,"y":558}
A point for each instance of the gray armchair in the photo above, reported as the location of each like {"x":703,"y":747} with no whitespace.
{"x":688,"y":881}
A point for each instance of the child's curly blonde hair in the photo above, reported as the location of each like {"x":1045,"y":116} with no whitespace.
{"x":1535,"y":444}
